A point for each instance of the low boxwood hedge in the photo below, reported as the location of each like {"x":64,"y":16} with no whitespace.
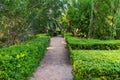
{"x":92,"y":44}
{"x":95,"y":65}
{"x":64,"y":34}
{"x":18,"y":62}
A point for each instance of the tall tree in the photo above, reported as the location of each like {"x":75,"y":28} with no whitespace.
{"x":77,"y":16}
{"x":19,"y":18}
{"x":102,"y":24}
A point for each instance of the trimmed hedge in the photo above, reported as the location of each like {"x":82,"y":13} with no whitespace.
{"x":94,"y":59}
{"x":95,"y":65}
{"x":64,"y":34}
{"x":92,"y":44}
{"x":19,"y":62}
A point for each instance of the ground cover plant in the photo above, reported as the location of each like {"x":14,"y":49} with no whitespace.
{"x":19,"y":61}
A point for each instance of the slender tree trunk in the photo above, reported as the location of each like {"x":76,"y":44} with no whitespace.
{"x":91,"y":27}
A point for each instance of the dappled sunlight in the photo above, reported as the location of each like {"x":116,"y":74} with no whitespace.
{"x":50,"y":48}
{"x":80,"y":39}
{"x":63,"y":42}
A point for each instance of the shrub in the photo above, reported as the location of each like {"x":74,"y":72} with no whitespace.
{"x":95,"y":65}
{"x":92,"y":44}
{"x":64,"y":34}
{"x":19,"y":61}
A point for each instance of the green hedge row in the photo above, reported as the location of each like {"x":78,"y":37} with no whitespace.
{"x":92,"y":44}
{"x":95,"y":65}
{"x":64,"y":34}
{"x":94,"y":59}
{"x":19,"y":62}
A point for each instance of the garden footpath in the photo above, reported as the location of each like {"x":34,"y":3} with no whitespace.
{"x":55,"y":64}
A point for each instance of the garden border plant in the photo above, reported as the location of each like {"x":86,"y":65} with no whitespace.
{"x":95,"y":64}
{"x":92,"y":44}
{"x":100,"y":64}
{"x":19,"y":62}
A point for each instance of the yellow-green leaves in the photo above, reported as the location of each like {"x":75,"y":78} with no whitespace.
{"x":18,"y":62}
{"x":95,"y":64}
{"x":20,"y":55}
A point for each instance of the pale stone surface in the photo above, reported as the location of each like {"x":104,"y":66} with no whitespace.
{"x":55,"y":64}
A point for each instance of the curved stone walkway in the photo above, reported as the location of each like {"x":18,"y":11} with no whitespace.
{"x":55,"y":65}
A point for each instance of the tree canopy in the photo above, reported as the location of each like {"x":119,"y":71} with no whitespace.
{"x":85,"y":18}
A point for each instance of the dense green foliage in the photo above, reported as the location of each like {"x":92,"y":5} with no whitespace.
{"x":94,"y":59}
{"x":118,"y":25}
{"x":93,"y":18}
{"x":18,"y":62}
{"x":21,"y":18}
{"x":87,"y":18}
{"x":92,"y":44}
{"x":76,"y":18}
{"x":95,"y":65}
{"x":78,"y":15}
{"x":103,"y":18}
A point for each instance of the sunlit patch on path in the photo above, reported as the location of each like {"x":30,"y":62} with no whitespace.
{"x":63,"y":42}
{"x":50,"y":48}
{"x":55,"y":65}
